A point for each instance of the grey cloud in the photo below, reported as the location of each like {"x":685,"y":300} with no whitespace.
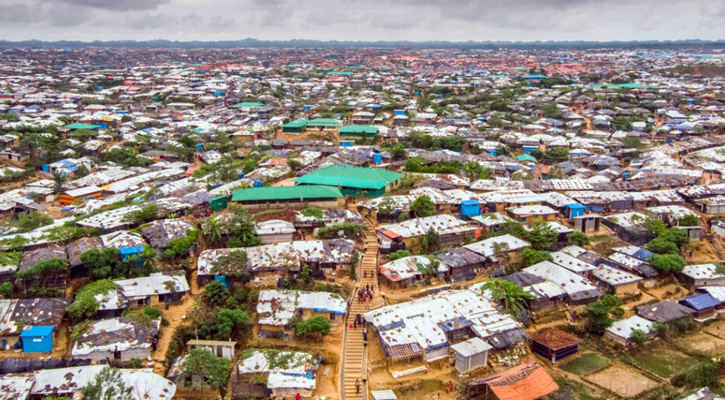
{"x":459,"y":20}
{"x":221,"y":22}
{"x":117,"y":5}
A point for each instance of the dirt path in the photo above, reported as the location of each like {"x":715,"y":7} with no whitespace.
{"x":175,"y":315}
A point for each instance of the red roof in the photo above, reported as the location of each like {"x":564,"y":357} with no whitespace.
{"x":525,"y":382}
{"x":389,"y":234}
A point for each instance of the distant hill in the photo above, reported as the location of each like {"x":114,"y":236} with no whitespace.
{"x":702,"y":70}
{"x":301,"y":43}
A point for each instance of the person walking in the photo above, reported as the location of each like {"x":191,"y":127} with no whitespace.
{"x":357,"y":385}
{"x":450,"y":386}
{"x":298,"y":396}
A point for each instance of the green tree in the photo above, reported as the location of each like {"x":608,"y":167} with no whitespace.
{"x":578,"y":238}
{"x":514,"y":297}
{"x":59,"y":179}
{"x":387,"y":205}
{"x":689,"y":220}
{"x":294,"y":164}
{"x":638,"y":337}
{"x":557,"y":154}
{"x":212,"y":230}
{"x":108,"y":385}
{"x":145,"y":214}
{"x":654,"y":225}
{"x":632,"y":142}
{"x":541,"y":235}
{"x":399,"y":254}
{"x":599,"y":319}
{"x":228,"y":320}
{"x":660,"y":245}
{"x":85,"y":304}
{"x":677,"y":236}
{"x":429,"y":241}
{"x":423,"y":206}
{"x":212,"y":370}
{"x":315,"y":326}
{"x":531,"y":256}
{"x":667,"y":263}
{"x":241,"y":226}
{"x":473,"y":171}
{"x":215,"y":293}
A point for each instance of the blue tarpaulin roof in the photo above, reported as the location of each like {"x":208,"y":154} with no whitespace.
{"x":642,"y":254}
{"x":130,"y":250}
{"x":701,"y":301}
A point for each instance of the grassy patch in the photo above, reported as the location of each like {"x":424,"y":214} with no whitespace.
{"x":579,"y":390}
{"x":586,"y":363}
{"x":663,"y":362}
{"x":600,"y":238}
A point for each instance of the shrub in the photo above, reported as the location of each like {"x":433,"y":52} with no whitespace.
{"x":638,"y":337}
{"x":667,"y":263}
{"x":85,"y":304}
{"x":578,"y":238}
{"x":660,"y":245}
{"x":317,"y":325}
{"x":531,"y":256}
{"x":399,"y":254}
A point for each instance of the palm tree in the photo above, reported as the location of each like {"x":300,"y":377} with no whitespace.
{"x":472,"y":171}
{"x":212,"y":230}
{"x":58,"y":181}
{"x":514,"y":296}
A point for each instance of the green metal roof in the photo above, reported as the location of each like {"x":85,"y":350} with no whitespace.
{"x":248,"y":104}
{"x":300,"y":123}
{"x":82,"y":126}
{"x":324,"y":122}
{"x":623,"y":86}
{"x":354,"y":177}
{"x":347,"y":73}
{"x":526,"y":157}
{"x":285,"y":193}
{"x":358,"y":129}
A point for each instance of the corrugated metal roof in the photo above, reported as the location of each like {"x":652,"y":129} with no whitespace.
{"x":286,"y":193}
{"x":347,"y":176}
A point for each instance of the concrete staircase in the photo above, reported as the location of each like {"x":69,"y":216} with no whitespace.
{"x":354,"y":365}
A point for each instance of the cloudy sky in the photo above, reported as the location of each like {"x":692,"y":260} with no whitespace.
{"x":416,"y":20}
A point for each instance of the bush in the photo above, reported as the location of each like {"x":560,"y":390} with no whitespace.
{"x":348,"y":229}
{"x":667,"y":263}
{"x":689,"y":220}
{"x":85,"y":304}
{"x":638,"y":337}
{"x":531,"y":256}
{"x":312,"y":212}
{"x":423,"y":206}
{"x":660,"y":245}
{"x":317,"y":325}
{"x":152,"y":312}
{"x":399,"y":254}
{"x":578,"y":238}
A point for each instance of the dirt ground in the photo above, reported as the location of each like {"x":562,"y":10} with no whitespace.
{"x":672,"y":291}
{"x":622,"y":380}
{"x":717,"y":328}
{"x":702,"y":253}
{"x":175,"y":315}
{"x":703,"y":342}
{"x":285,"y":182}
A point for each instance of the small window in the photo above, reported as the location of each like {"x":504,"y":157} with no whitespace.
{"x":332,"y":316}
